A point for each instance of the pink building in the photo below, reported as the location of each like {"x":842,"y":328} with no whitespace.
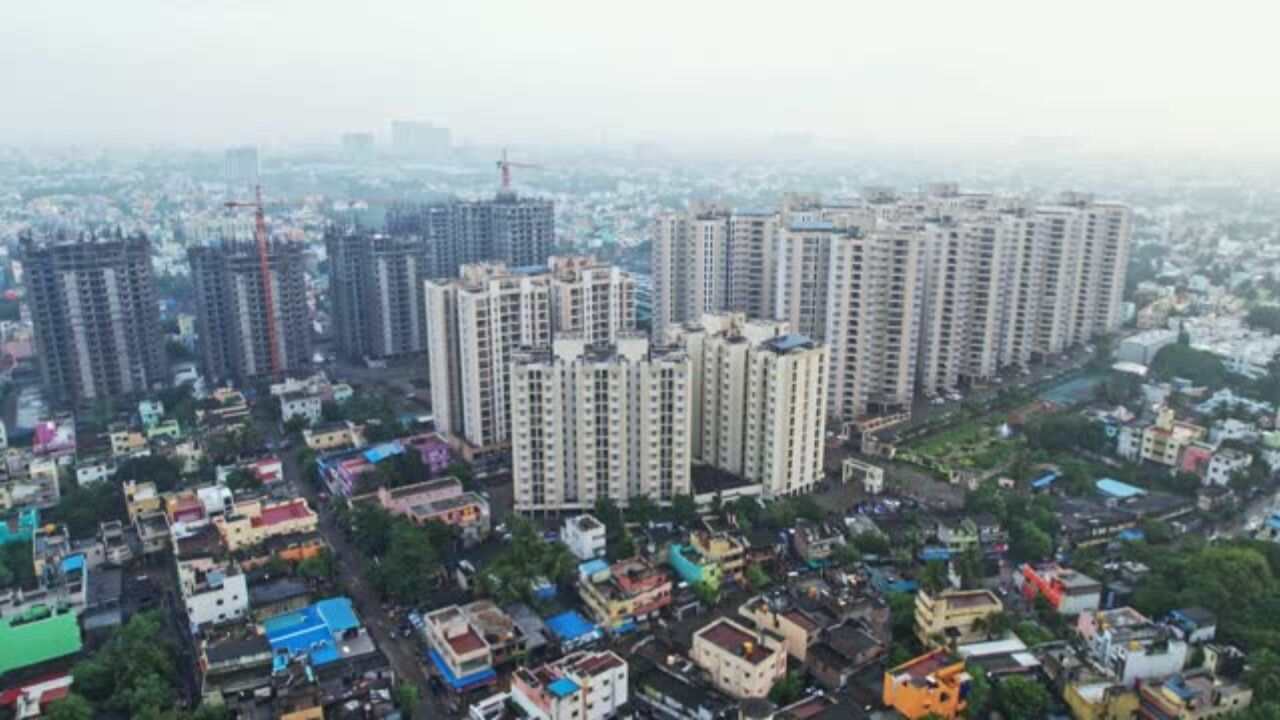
{"x":54,"y":437}
{"x":1195,"y":459}
{"x":443,"y":500}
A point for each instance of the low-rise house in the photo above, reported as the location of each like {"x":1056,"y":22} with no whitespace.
{"x":1067,"y":591}
{"x":693,"y":567}
{"x":958,"y":535}
{"x":292,"y":548}
{"x":954,"y":616}
{"x":115,"y":545}
{"x":580,"y":686}
{"x":253,"y":522}
{"x":234,"y":666}
{"x":584,"y":535}
{"x":869,"y":474}
{"x":19,"y":526}
{"x":723,"y":549}
{"x":740,"y":662}
{"x":278,"y":596}
{"x":1225,"y":463}
{"x":442,"y":500}
{"x":797,"y":629}
{"x":676,"y":694}
{"x":213,"y":592}
{"x":815,"y":543}
{"x":1195,"y":625}
{"x":627,"y":592}
{"x":1129,"y":645}
{"x":38,"y":640}
{"x":457,"y":651}
{"x":168,"y":429}
{"x":934,"y":683}
{"x":324,"y":644}
{"x":842,"y":651}
{"x":1164,"y":440}
{"x":150,"y":412}
{"x":504,"y":637}
{"x":1097,"y":698}
{"x":1192,"y":696}
{"x":128,"y":443}
{"x":301,"y":405}
{"x":334,"y":435}
{"x":433,"y":449}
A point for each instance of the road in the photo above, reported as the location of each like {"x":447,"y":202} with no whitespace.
{"x":350,"y":564}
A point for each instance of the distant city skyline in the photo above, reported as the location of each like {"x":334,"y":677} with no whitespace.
{"x":1125,"y":76}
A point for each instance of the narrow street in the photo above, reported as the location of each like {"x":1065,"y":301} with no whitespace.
{"x":402,"y":653}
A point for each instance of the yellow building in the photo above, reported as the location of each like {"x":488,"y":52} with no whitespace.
{"x":332,"y":436}
{"x":1101,"y":701}
{"x":1164,"y":441}
{"x":742,"y":663}
{"x":251,"y":522}
{"x":932,"y":683}
{"x":141,"y":498}
{"x":127,"y":442}
{"x":797,"y":630}
{"x":949,"y":617}
{"x":725,"y":550}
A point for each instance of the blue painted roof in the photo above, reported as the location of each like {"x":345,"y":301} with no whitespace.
{"x":378,"y":453}
{"x":563,"y":687}
{"x":569,"y":626}
{"x":1117,"y":489}
{"x":1132,"y":535}
{"x":480,"y":677}
{"x":591,"y":567}
{"x":72,"y":563}
{"x":310,"y":630}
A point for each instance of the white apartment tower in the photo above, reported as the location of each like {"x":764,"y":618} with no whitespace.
{"x":475,"y":323}
{"x":599,"y":420}
{"x":874,"y":303}
{"x":759,"y":401}
{"x":689,"y":266}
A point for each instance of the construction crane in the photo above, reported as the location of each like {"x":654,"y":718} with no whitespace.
{"x":264,"y":266}
{"x":504,"y":170}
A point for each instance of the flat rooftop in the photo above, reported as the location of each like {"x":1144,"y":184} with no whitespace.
{"x":733,"y":639}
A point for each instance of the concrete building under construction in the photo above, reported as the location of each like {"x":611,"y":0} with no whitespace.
{"x":375,"y":282}
{"x":232,"y":309}
{"x":516,"y":231}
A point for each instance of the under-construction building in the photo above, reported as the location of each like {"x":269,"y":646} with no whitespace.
{"x":375,"y":283}
{"x":516,"y":231}
{"x":97,"y":325}
{"x":232,"y":309}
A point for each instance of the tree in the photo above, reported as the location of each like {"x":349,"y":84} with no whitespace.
{"x":871,"y":543}
{"x":757,"y":578}
{"x":134,"y":672}
{"x":71,"y":707}
{"x":998,"y":625}
{"x":934,"y":577}
{"x":408,"y":565}
{"x":407,"y":699}
{"x":746,"y":510}
{"x":318,"y":567}
{"x":1202,"y":368}
{"x":684,"y":510}
{"x":1028,"y":543}
{"x":1265,"y":317}
{"x":708,"y":594}
{"x":82,"y":508}
{"x":1018,"y":697}
{"x":641,"y":510}
{"x":788,"y":689}
{"x":1157,"y":532}
{"x":902,"y":615}
{"x":968,"y":565}
{"x":846,"y":555}
{"x":371,"y":528}
{"x":1263,"y":676}
{"x":158,"y":469}
{"x":979,"y":691}
{"x":296,"y":424}
{"x":243,"y":481}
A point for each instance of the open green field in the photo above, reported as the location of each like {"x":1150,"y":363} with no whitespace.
{"x":970,"y":445}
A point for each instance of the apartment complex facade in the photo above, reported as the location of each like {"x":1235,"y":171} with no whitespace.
{"x":232,"y":309}
{"x":594,"y":421}
{"x":94,"y":308}
{"x":924,"y":293}
{"x":475,"y":323}
{"x":376,"y":284}
{"x":517,"y":231}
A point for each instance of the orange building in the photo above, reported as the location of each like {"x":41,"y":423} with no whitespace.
{"x":934,"y":683}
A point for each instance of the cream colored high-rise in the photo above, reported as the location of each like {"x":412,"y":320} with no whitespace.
{"x":759,"y":401}
{"x":689,"y":261}
{"x":475,"y":323}
{"x":875,"y":294}
{"x":593,"y":421}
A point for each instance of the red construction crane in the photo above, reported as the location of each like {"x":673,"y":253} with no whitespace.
{"x":264,"y":266}
{"x":504,"y":170}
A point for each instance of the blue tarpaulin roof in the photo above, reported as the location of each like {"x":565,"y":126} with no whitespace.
{"x":310,"y":630}
{"x":591,"y":567}
{"x":1044,"y":481}
{"x":1117,"y":489}
{"x":72,"y":563}
{"x":1132,"y":535}
{"x":569,"y":626}
{"x":378,"y":453}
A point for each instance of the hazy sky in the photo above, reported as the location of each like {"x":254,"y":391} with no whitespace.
{"x":1172,"y":74}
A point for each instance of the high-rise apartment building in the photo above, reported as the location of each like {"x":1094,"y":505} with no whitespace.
{"x":517,"y":231}
{"x":875,"y":293}
{"x":240,"y":169}
{"x":476,"y":322}
{"x":376,"y":284}
{"x":599,"y":420}
{"x":759,"y":401}
{"x":231,"y":313}
{"x":927,"y":291}
{"x":93,"y":304}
